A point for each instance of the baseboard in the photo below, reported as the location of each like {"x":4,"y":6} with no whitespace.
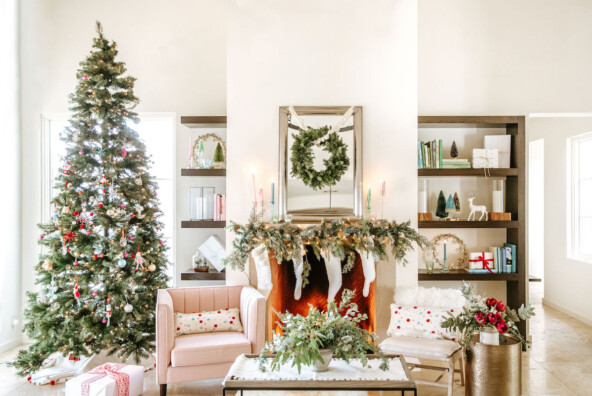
{"x":568,"y":311}
{"x":10,"y":345}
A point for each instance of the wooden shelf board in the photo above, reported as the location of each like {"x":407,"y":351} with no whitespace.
{"x":456,"y":275}
{"x":203,"y":172}
{"x":203,"y":224}
{"x":204,"y":121}
{"x":493,"y":172}
{"x":190,"y":274}
{"x":468,"y":224}
{"x":479,"y":121}
{"x":534,"y":279}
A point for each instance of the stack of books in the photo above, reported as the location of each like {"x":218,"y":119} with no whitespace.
{"x":504,"y":260}
{"x":429,"y":155}
{"x":455,"y":163}
{"x":219,"y":207}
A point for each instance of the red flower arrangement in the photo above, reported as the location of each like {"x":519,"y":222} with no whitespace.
{"x":486,"y":312}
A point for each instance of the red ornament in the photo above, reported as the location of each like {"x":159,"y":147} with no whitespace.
{"x":75,"y":213}
{"x":102,"y":255}
{"x":77,"y":294}
{"x":92,"y":214}
{"x":29,"y":378}
{"x":85,"y":77}
{"x":133,"y":256}
{"x":132,"y":215}
{"x":104,"y":190}
{"x":52,"y":382}
{"x":95,"y":256}
{"x":100,"y":205}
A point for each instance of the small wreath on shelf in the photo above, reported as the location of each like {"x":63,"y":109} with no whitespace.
{"x":207,"y":137}
{"x":463,"y":255}
{"x":302,"y":158}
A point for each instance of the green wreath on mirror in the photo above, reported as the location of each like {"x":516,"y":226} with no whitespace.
{"x":302,"y":158}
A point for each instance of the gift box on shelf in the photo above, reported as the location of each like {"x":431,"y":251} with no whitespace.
{"x":485,"y":158}
{"x":503,"y":145}
{"x":109,"y":379}
{"x":481,"y":260}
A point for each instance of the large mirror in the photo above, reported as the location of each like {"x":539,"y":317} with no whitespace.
{"x":312,"y":190}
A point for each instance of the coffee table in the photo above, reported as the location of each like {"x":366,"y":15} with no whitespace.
{"x":245,"y":375}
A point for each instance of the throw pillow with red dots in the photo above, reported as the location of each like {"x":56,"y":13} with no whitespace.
{"x":415,"y":321}
{"x":207,"y":322}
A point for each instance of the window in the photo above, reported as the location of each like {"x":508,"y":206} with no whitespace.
{"x":581,"y":197}
{"x":157,"y":130}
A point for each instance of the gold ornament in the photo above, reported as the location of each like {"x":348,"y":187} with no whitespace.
{"x":47,"y":265}
{"x":151,"y":267}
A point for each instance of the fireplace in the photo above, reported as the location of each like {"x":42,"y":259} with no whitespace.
{"x":281,"y":297}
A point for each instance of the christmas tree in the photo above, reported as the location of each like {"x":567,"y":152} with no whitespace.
{"x":103,"y":258}
{"x":450,"y":207}
{"x":441,"y":206}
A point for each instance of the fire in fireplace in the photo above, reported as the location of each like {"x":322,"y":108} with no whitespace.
{"x":281,"y":297}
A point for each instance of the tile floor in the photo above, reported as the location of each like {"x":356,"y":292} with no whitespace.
{"x":560,"y":363}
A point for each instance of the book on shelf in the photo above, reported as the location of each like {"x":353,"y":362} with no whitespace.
{"x":219,"y":207}
{"x":504,"y":258}
{"x":455,"y":161}
{"x":457,"y":166}
{"x":429,"y":155}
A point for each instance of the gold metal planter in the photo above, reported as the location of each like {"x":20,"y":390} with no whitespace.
{"x":494,"y":369}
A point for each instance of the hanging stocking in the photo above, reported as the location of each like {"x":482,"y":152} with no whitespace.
{"x":369,"y":271}
{"x":263,"y":267}
{"x":333,"y":266}
{"x":298,"y":270}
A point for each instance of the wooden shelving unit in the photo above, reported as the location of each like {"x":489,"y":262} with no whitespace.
{"x":499,"y":172}
{"x":457,"y":275}
{"x":516,"y":283}
{"x":204,"y":121}
{"x":203,"y":172}
{"x":202,"y":224}
{"x":190,"y":274}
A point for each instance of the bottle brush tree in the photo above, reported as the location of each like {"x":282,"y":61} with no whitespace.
{"x":441,"y":207}
{"x":456,"y":202}
{"x":450,"y":207}
{"x":219,"y":154}
{"x":453,"y":150}
{"x":103,"y":256}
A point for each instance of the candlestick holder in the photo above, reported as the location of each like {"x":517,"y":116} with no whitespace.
{"x":274,"y":214}
{"x":444,"y":269}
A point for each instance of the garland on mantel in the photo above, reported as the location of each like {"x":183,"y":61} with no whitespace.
{"x":340,"y":237}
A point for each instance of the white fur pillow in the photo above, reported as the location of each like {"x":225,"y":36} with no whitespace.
{"x":208,"y":322}
{"x":432,"y":297}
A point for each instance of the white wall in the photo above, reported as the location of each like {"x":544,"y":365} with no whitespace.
{"x":10,"y":297}
{"x":178,"y":54}
{"x":326,"y":53}
{"x":567,"y":281}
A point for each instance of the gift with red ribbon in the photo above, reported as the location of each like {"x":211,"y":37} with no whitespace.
{"x":111,"y":371}
{"x":109,"y":379}
{"x":483,"y":260}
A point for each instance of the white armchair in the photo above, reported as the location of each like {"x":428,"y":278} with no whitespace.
{"x":415,"y":331}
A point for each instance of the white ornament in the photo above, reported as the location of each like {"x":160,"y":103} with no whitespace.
{"x":369,"y":271}
{"x":333,"y":266}
{"x":66,"y":210}
{"x":128,"y":308}
{"x":152,"y":268}
{"x":477,"y":208}
{"x":138,"y":181}
{"x":261,"y":259}
{"x":111,"y":212}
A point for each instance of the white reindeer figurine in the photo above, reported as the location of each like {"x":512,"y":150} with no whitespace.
{"x":477,"y":208}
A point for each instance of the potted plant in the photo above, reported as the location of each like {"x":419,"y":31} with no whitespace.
{"x":314,"y":339}
{"x":200,"y":263}
{"x":494,"y":363}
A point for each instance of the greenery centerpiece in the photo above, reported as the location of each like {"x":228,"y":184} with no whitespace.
{"x":480,"y":313}
{"x":304,"y":338}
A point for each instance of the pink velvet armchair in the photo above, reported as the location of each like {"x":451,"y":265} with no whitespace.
{"x":194,"y":357}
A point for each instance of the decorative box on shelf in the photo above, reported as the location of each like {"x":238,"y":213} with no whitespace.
{"x":485,"y":158}
{"x":109,"y":379}
{"x":503,"y":145}
{"x":500,"y":216}
{"x":481,"y":261}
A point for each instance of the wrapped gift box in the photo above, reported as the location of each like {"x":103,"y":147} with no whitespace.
{"x":485,"y":158}
{"x":503,"y":144}
{"x":476,"y":262}
{"x":97,"y":382}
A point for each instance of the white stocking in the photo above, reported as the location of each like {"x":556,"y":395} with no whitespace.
{"x":298,"y":269}
{"x":261,"y":259}
{"x":333,"y":266}
{"x":369,"y":271}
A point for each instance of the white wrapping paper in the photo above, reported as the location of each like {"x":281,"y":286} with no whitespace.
{"x":503,"y":144}
{"x":106,"y":386}
{"x":485,"y":158}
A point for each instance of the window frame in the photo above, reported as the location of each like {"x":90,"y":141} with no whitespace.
{"x":574,"y":214}
{"x":47,"y":179}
